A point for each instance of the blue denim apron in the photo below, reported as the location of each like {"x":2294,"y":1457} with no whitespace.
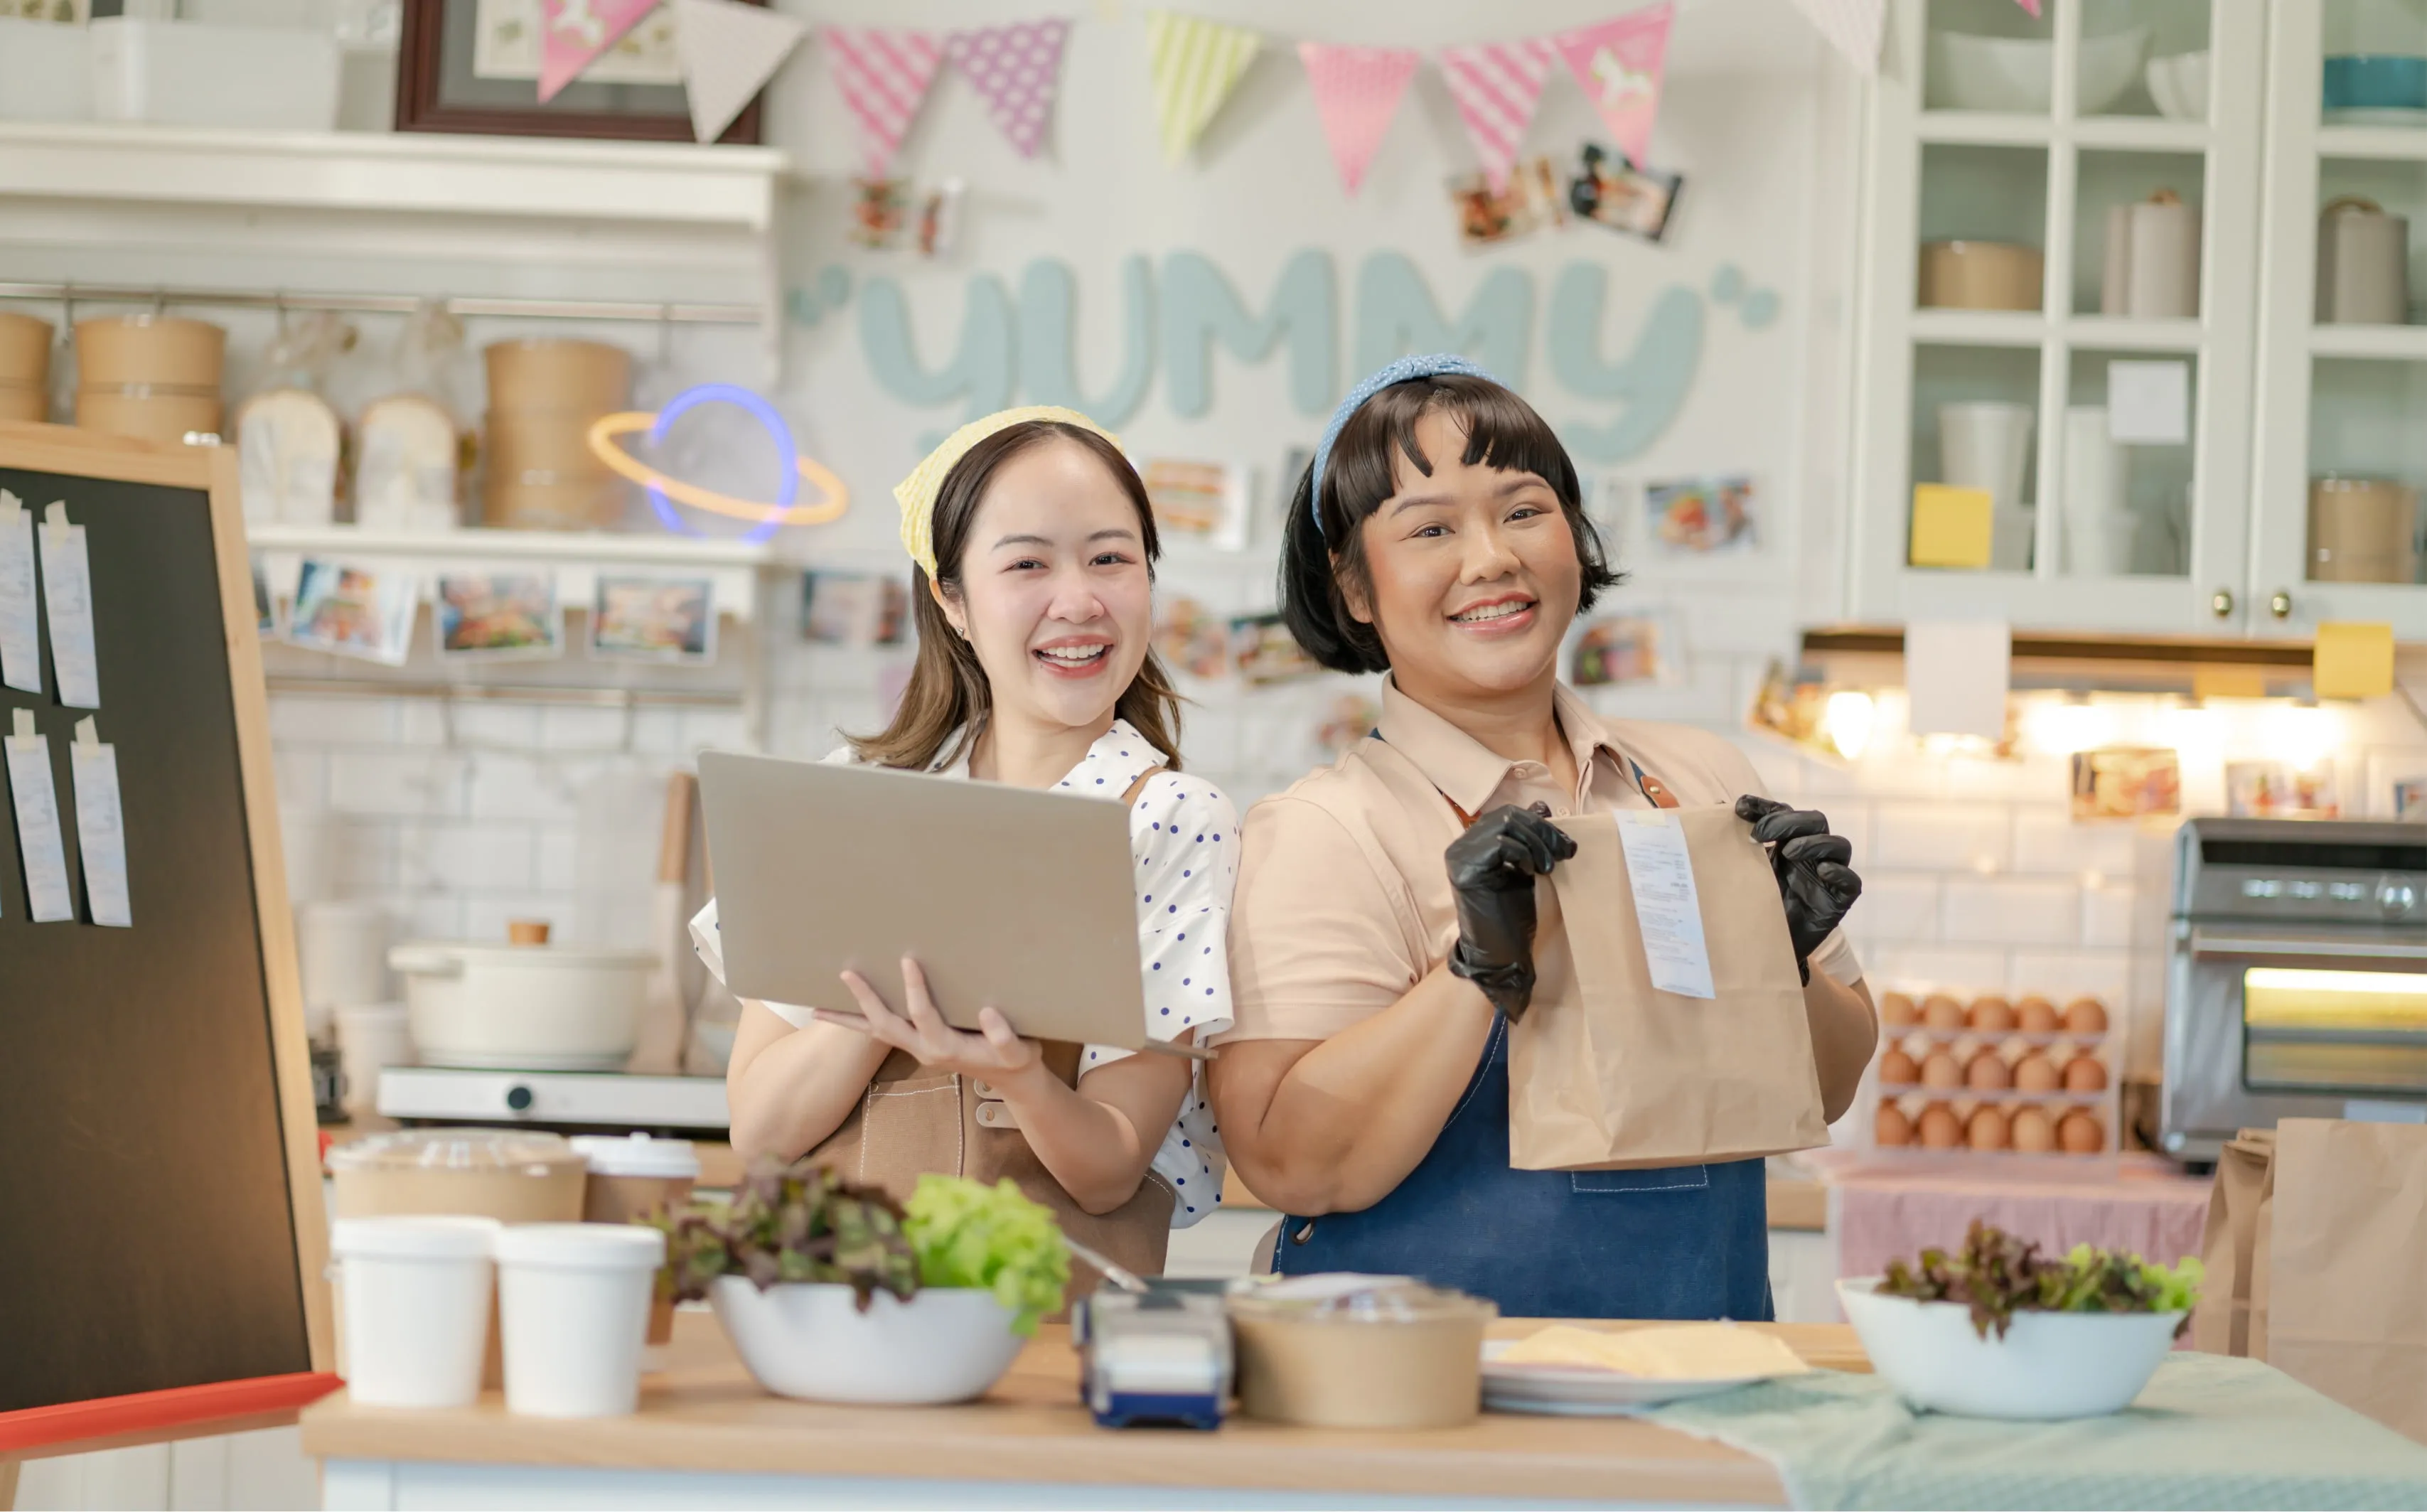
{"x":1675,"y":1242}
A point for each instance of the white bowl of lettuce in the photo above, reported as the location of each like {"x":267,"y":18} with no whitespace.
{"x":1998,"y":1330}
{"x":831,"y":1293}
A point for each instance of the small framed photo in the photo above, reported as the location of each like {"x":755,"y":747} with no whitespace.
{"x":2410,"y":798}
{"x":1530,"y":202}
{"x":1701,"y":516}
{"x":498,"y":615}
{"x":354,"y":611}
{"x":1623,"y":649}
{"x":265,"y":603}
{"x":854,"y":608}
{"x":1191,"y":639}
{"x":474,"y":66}
{"x":1203,"y":501}
{"x":2127,"y":782}
{"x":1266,"y":653}
{"x":654,"y":619}
{"x":2278,"y":790}
{"x":1608,"y":190}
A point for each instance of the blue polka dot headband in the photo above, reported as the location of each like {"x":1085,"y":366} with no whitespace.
{"x":1407,"y":369}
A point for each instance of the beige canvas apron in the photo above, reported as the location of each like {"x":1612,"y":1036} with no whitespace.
{"x":911,"y":1121}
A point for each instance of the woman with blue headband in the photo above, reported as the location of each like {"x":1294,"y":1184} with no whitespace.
{"x":1381,"y":940}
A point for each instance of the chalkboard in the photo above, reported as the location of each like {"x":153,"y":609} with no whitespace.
{"x":158,"y":1154}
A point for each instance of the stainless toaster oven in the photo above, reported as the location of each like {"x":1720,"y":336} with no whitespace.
{"x":2297,"y":985}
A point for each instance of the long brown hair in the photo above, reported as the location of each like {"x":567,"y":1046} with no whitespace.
{"x":947,"y":689}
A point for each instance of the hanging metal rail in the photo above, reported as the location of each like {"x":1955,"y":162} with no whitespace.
{"x":295,"y":303}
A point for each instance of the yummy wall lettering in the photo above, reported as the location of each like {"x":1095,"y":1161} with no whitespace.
{"x":1178,"y":315}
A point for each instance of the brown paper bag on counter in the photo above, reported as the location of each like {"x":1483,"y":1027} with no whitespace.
{"x":2238,"y":1215}
{"x":2347,"y":1278}
{"x":1607,"y":1071}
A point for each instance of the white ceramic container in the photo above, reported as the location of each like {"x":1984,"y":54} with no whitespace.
{"x":414,"y":1307}
{"x":573,"y":1304}
{"x":370,"y":1038}
{"x":2178,"y":86}
{"x":811,"y":1342}
{"x":2099,"y":529}
{"x":523,"y":1007}
{"x":2016,"y":73}
{"x":2048,"y":1365}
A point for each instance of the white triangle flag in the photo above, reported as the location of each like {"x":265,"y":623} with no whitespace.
{"x":729,"y":51}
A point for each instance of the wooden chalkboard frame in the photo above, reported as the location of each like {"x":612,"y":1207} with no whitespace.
{"x":225,"y":1406}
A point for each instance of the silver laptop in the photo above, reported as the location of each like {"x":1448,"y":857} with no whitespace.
{"x":1005,"y":896}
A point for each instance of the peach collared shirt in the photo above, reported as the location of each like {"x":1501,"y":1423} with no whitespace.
{"x":1344,"y":901}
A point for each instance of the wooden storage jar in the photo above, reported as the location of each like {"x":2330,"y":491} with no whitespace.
{"x":151,"y":412}
{"x":160,"y":350}
{"x":1981,"y":275}
{"x":557,"y":377}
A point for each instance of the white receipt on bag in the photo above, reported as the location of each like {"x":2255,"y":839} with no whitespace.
{"x":39,"y":833}
{"x":21,"y":639}
{"x":1667,"y":908}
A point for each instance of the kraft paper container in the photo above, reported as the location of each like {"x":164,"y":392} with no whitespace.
{"x":1401,"y":1357}
{"x":583,"y":377}
{"x":2362,"y":531}
{"x":1981,"y":275}
{"x":25,"y":402}
{"x":551,"y":501}
{"x":158,"y":349}
{"x":25,"y":352}
{"x":515,"y":444}
{"x":154,"y":414}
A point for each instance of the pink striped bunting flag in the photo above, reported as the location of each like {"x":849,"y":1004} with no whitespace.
{"x":1496,"y":85}
{"x":883,"y":75}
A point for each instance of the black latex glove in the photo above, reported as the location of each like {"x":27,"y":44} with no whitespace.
{"x":1491,"y":869}
{"x":1814,"y":880}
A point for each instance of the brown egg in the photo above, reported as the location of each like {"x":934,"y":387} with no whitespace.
{"x":2085,"y":1016}
{"x":2081,"y":1133}
{"x":1992,"y":1014}
{"x":1987,"y":1129}
{"x":1939,"y":1070}
{"x":2035,"y":1072}
{"x":2034,"y":1132}
{"x":1939,"y":1129}
{"x":1898,"y":1011}
{"x":1941,"y":1012}
{"x":2083,"y":1073}
{"x":1987,"y":1073}
{"x":2036,"y":1015}
{"x":1894,"y":1127}
{"x":1898,"y":1070}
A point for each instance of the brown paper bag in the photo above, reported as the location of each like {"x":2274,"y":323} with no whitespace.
{"x":2236,"y":1208}
{"x":2347,"y":1287}
{"x":1606,"y":1071}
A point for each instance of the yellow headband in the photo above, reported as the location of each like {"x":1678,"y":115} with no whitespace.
{"x":917,"y":492}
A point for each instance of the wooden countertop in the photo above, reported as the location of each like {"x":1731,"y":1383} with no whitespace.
{"x":704,"y":1414}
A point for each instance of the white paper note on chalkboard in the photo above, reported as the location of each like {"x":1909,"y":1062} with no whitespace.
{"x":37,"y":822}
{"x":21,"y":636}
{"x":67,"y":589}
{"x":101,"y":826}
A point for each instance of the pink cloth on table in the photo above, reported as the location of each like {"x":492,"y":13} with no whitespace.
{"x":1885,"y":1216}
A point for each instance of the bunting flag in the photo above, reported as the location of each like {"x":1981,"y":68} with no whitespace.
{"x":884,"y":77}
{"x":1617,"y":62}
{"x":573,"y":32}
{"x":1357,"y":92}
{"x":1017,"y":69}
{"x":729,"y":51}
{"x":1496,"y":87}
{"x":1194,"y":64}
{"x":1851,"y":26}
{"x":2031,"y":6}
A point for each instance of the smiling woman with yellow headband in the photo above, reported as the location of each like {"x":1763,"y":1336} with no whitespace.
{"x":1035,"y":548}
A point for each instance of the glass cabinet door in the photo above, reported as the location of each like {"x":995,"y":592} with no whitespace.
{"x":2058,"y":314}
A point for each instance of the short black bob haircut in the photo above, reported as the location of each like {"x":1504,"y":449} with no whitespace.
{"x":1502,"y":432}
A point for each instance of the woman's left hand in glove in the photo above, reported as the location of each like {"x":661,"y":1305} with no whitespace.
{"x":1814,"y":880}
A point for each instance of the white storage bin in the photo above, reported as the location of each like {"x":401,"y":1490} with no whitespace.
{"x":46,"y":71}
{"x":196,"y":74}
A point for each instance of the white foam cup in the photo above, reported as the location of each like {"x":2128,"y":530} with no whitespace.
{"x":574,"y":1304}
{"x":416,"y":1307}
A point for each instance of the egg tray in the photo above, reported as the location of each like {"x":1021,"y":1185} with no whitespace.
{"x":1967,"y":1043}
{"x":1902,"y":1091}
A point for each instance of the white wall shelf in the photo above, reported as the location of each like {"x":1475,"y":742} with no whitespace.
{"x":2104,"y":133}
{"x":2099,"y":333}
{"x":2397,"y":143}
{"x":2401,"y":344}
{"x":1978,"y":328}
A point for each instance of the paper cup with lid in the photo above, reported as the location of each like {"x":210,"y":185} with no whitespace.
{"x":413,"y":1306}
{"x":573,"y":1302}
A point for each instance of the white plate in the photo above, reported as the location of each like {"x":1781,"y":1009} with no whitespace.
{"x":1581,"y":1392}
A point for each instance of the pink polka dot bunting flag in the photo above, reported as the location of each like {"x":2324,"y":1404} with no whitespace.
{"x":1497,"y":86}
{"x":1619,"y":64}
{"x":1357,"y":92}
{"x":884,"y":77}
{"x":1017,"y":69}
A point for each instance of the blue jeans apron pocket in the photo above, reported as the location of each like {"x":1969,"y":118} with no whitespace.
{"x":1659,"y":1178}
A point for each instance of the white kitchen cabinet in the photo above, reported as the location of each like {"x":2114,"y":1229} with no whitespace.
{"x":2333,"y":399}
{"x":1959,"y":149}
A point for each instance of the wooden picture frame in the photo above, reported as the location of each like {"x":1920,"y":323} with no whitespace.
{"x":434,"y":89}
{"x":250,"y":1402}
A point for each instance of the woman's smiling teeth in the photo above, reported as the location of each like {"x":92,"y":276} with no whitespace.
{"x":1485,"y":613}
{"x":1074,"y":655}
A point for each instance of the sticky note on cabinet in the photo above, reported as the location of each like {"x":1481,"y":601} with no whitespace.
{"x":1951,"y":527}
{"x":2149,"y":403}
{"x":1956,"y":676}
{"x":2228,"y":679}
{"x":2352,"y":661}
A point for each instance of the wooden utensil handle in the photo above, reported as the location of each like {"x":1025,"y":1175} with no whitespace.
{"x":673,"y":846}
